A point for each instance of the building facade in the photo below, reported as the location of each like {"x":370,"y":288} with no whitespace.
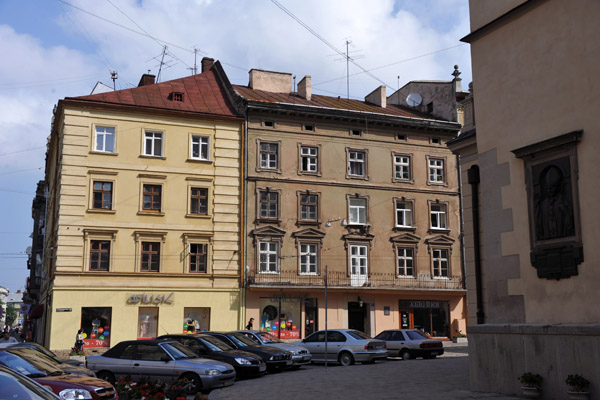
{"x":529,"y":192}
{"x":360,"y":197}
{"x":143,"y":213}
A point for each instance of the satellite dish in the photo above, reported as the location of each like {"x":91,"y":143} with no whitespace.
{"x":414,"y":99}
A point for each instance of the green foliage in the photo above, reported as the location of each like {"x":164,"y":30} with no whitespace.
{"x":577,"y":383}
{"x":531,"y":379}
{"x":11,"y":314}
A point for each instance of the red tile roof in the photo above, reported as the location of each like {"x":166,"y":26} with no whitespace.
{"x":201,"y":94}
{"x":327,"y":102}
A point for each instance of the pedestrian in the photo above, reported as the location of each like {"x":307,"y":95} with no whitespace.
{"x":249,"y":326}
{"x":6,"y":338}
{"x":79,"y":341}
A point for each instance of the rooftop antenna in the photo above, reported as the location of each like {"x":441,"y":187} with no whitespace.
{"x":162,"y":62}
{"x":294,"y":83}
{"x":348,"y":58}
{"x":398,"y":82}
{"x":114,"y":76}
{"x":194,"y":69}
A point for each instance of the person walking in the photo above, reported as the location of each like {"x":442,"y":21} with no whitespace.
{"x":249,"y":326}
{"x":6,"y":338}
{"x":79,"y":341}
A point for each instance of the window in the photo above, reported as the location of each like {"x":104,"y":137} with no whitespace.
{"x":309,"y":128}
{"x":147,"y":322}
{"x":405,"y":261}
{"x":356,"y":163}
{"x":358,"y":265}
{"x":199,"y":201}
{"x":309,"y":207}
{"x":96,"y":326}
{"x":436,"y":170}
{"x":150,"y":256}
{"x":357,"y":211}
{"x":269,"y":124}
{"x":102,"y":197}
{"x":199,"y":148}
{"x":268,"y":257}
{"x":176,"y":96}
{"x":309,"y":159}
{"x":152,"y":195}
{"x":355,"y":132}
{"x":198,"y":257}
{"x":105,"y":139}
{"x":269,"y":155}
{"x":401,"y":137}
{"x":268,"y":204}
{"x":153,"y":142}
{"x":404,"y":214}
{"x":308,"y":259}
{"x":99,"y":255}
{"x":197,"y":319}
{"x":401,"y":167}
{"x":436,"y":140}
{"x":438,"y":216}
{"x":440,"y":263}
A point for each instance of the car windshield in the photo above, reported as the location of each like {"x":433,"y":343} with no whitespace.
{"x":178,"y":351}
{"x":39,"y":348}
{"x":416,"y":335}
{"x":215,"y":344}
{"x":359,"y":335}
{"x":16,"y":387}
{"x":240,"y":340}
{"x":268,"y":338}
{"x":22,"y":366}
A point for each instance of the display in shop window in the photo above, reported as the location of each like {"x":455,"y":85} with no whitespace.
{"x":147,"y":322}
{"x":96,"y":326}
{"x":196,"y":319}
{"x":278,"y":318}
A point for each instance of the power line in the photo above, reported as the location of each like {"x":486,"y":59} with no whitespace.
{"x":22,"y":151}
{"x":21,"y":170}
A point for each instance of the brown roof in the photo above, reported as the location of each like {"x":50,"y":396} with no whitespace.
{"x":327,"y":102}
{"x":201,"y":94}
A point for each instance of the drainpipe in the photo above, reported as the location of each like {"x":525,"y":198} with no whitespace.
{"x":463,"y":267}
{"x":473,"y":179}
{"x":244,"y":258}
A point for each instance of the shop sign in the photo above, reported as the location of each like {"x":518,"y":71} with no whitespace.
{"x":420,"y":304}
{"x":286,"y":299}
{"x":153,"y":299}
{"x":64,"y":309}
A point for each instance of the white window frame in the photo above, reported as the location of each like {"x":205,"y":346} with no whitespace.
{"x":312,"y":159}
{"x":201,"y":142}
{"x":402,"y":165}
{"x":439,"y":217}
{"x":354,"y":159}
{"x":269,"y":252}
{"x":401,"y":259}
{"x":355,"y":260}
{"x":407,"y":214}
{"x":270,"y":157}
{"x":104,"y":135}
{"x":308,"y":250}
{"x":154,"y":137}
{"x":436,"y":170}
{"x":355,"y":210}
{"x":438,"y":258}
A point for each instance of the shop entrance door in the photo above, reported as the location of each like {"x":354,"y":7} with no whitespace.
{"x":356,"y":316}
{"x":311,"y":313}
{"x":406,"y":319}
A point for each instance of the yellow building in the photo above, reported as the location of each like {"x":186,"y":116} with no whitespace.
{"x":143,"y":213}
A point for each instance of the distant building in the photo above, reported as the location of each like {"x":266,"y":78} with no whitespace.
{"x":3,"y":295}
{"x":16,"y":300}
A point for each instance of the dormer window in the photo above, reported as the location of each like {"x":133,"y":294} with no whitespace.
{"x":176,"y":96}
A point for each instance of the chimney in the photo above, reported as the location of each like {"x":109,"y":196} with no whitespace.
{"x":269,"y":81}
{"x":146,"y":80}
{"x":207,"y":63}
{"x":377,"y":97}
{"x":304,"y":88}
{"x":456,"y":82}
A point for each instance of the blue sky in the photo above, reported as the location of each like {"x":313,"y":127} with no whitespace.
{"x":60,"y":48}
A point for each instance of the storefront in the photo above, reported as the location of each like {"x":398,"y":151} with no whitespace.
{"x":431,"y":316}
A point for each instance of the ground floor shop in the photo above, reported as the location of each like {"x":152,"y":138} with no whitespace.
{"x":107,"y":317}
{"x":294,"y":313}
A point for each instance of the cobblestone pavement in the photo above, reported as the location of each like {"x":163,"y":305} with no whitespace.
{"x":443,"y":378}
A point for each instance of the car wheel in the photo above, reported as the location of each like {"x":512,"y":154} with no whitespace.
{"x":345,"y":359}
{"x":405,"y":354}
{"x":106,"y":376}
{"x":194,"y":384}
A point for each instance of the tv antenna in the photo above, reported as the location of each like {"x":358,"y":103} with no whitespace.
{"x":194,"y":69}
{"x":114,"y":76}
{"x":162,"y":64}
{"x":348,"y":58}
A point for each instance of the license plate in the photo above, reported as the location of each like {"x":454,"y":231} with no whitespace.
{"x":262,"y":368}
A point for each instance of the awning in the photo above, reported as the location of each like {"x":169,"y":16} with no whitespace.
{"x":36,"y":311}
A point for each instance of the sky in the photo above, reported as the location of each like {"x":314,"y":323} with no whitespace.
{"x":52,"y":49}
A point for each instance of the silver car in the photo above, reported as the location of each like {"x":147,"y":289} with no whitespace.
{"x":344,"y":346}
{"x":166,"y":361}
{"x":411,"y":343}
{"x":300,"y":354}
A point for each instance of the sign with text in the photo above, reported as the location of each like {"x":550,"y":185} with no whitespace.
{"x":150,"y":299}
{"x":420,"y":304}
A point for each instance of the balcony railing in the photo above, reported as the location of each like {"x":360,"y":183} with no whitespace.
{"x":342,"y":279}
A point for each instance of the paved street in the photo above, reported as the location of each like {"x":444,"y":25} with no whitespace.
{"x":443,"y":378}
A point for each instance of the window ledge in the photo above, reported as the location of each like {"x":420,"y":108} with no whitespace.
{"x":358,"y":177}
{"x":310,"y":173}
{"x":407,"y":181}
{"x":149,"y":156}
{"x":430,"y":183}
{"x":272,"y":170}
{"x":308,"y":273}
{"x":405,"y":228}
{"x":268,"y":273}
{"x":151,"y":214}
{"x":301,"y":222}
{"x":201,"y":216}
{"x":438,"y":230}
{"x":199,"y":160}
{"x":441,"y":277}
{"x":406,"y":277}
{"x":268,"y":221}
{"x":101,"y":211}
{"x":105,"y":153}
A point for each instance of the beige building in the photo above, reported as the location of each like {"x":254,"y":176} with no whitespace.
{"x":143,"y":213}
{"x":530,"y":194}
{"x":361,"y":194}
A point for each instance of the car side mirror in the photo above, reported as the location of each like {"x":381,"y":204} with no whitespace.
{"x":165,"y":358}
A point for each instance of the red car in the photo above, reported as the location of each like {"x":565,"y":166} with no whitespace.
{"x":65,"y":385}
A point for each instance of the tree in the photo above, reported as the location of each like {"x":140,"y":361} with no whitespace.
{"x":11,"y":314}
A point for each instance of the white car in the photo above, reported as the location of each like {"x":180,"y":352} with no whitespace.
{"x":410,"y":343}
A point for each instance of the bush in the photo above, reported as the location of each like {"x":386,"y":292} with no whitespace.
{"x":578,"y":383}
{"x":531,"y":379}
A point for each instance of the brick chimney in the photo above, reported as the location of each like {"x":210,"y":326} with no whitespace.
{"x":304,"y":88}
{"x":377,"y":97}
{"x":207,"y":63}
{"x":146,"y":80}
{"x":269,"y":81}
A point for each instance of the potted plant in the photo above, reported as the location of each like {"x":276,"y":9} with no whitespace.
{"x":532,"y":385}
{"x":459,"y":337}
{"x":77,"y":354}
{"x":578,"y":387}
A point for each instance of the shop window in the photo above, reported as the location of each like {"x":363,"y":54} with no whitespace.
{"x":281,"y":316}
{"x":196,"y":319}
{"x":96,"y":326}
{"x":147,"y":322}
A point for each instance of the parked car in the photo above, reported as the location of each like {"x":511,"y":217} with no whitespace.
{"x":15,"y":386}
{"x":276,"y":359}
{"x":411,"y":343}
{"x":67,"y":367}
{"x":167,"y":361}
{"x":344,"y":346}
{"x":65,"y":385}
{"x":300,"y":354}
{"x":207,"y":346}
